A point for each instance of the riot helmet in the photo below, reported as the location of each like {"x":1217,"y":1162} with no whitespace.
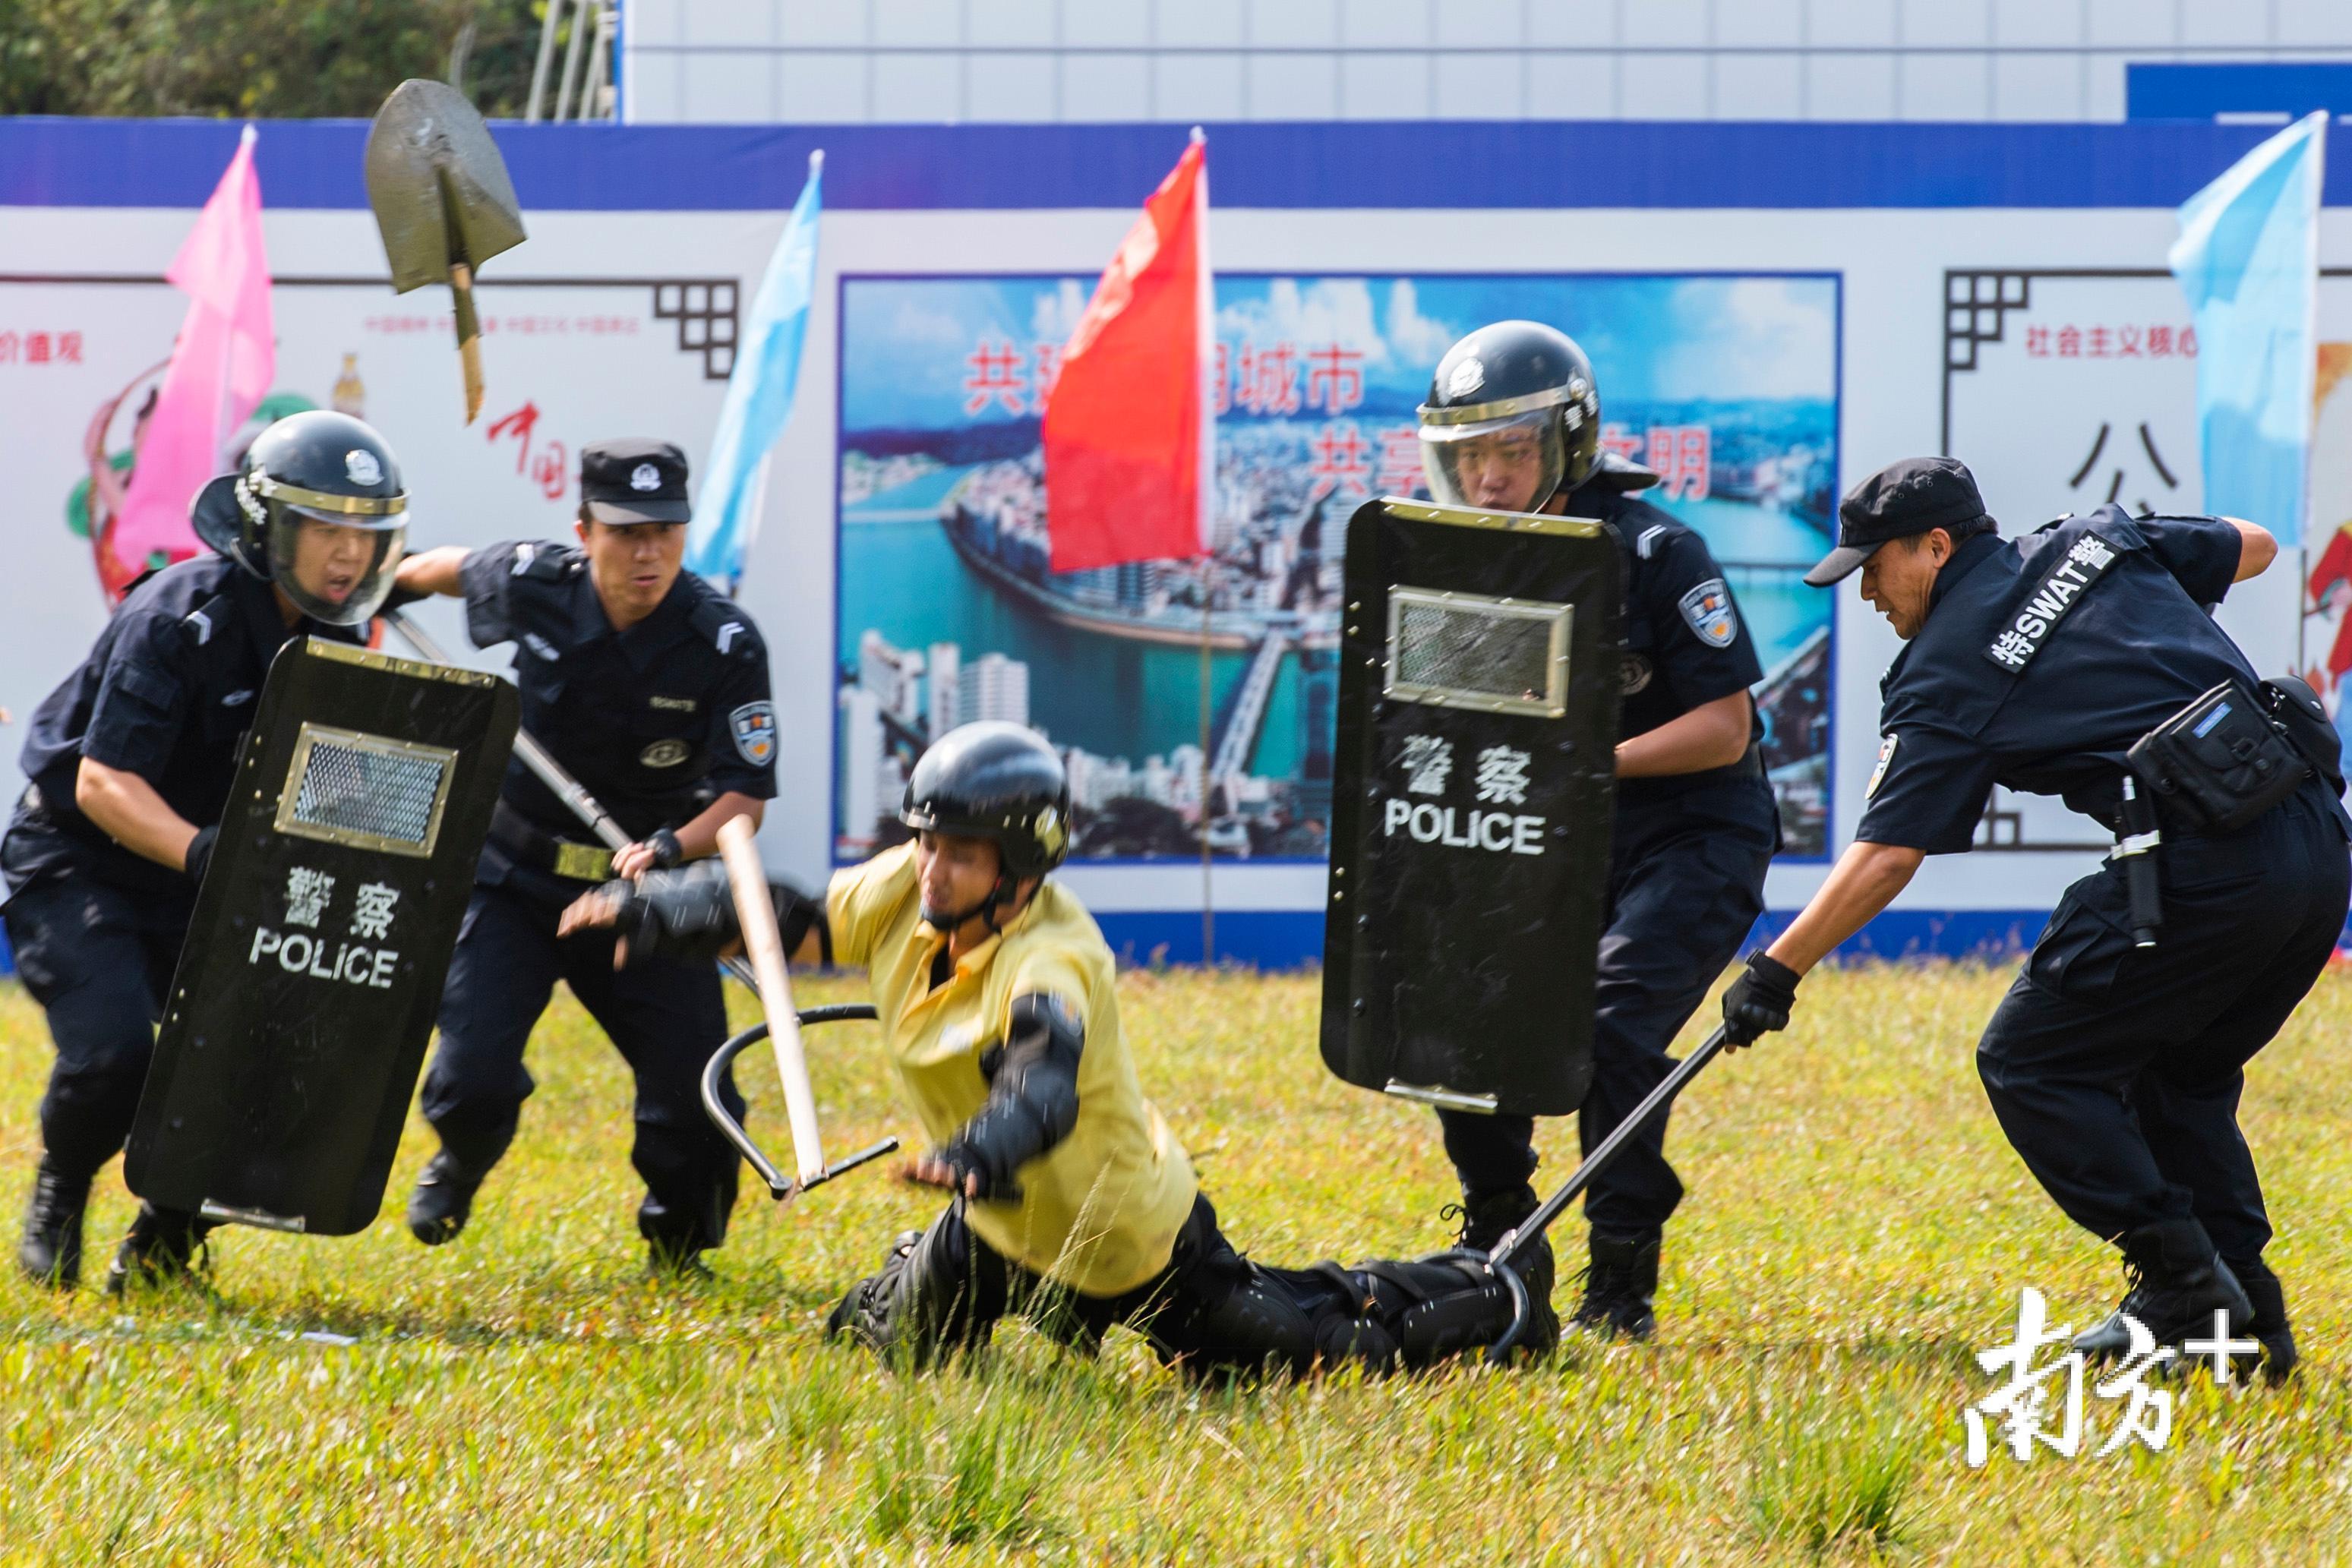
{"x":996,"y":781}
{"x":317,"y":508}
{"x":1513,"y":419}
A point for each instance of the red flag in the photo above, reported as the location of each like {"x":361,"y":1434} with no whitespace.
{"x":1129,"y":458}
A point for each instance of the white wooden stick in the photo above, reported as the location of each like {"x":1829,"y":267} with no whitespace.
{"x":765,"y":946}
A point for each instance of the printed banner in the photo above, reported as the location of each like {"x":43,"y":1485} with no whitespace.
{"x":1726,"y":385}
{"x":2065,"y":391}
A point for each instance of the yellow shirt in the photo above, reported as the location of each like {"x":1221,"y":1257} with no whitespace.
{"x":1100,"y":1210}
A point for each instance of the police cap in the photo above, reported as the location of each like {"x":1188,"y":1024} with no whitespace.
{"x":634,"y":481}
{"x":1901,"y":499}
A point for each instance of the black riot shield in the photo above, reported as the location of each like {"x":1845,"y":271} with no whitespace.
{"x":313,"y":967}
{"x":1471,"y":816}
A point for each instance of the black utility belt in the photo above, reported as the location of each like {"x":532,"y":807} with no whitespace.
{"x":1666,"y":786}
{"x":534,"y":846}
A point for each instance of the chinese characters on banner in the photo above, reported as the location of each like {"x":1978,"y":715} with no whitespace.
{"x":545,"y":462}
{"x":1350,"y":459}
{"x":36,"y":348}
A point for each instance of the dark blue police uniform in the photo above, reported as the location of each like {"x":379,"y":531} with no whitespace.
{"x":167,"y":693}
{"x":1685,"y":876}
{"x":657,"y":722}
{"x":2115,"y":1069}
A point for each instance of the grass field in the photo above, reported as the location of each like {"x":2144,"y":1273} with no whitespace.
{"x":1856,"y":1230}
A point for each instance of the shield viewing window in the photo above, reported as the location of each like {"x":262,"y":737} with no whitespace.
{"x":364,"y":791}
{"x":1465,"y":650}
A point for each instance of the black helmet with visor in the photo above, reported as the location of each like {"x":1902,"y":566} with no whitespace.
{"x":996,"y":781}
{"x":1513,"y":418}
{"x":319,"y":509}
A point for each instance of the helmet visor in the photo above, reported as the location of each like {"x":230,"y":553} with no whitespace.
{"x":337,"y":568}
{"x":1509,"y":464}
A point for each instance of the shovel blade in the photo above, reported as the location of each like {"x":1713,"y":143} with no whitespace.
{"x":438,"y":186}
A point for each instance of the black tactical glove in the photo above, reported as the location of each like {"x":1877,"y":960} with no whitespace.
{"x":689,"y":913}
{"x":1759,"y":1001}
{"x":200,"y":853}
{"x":667,"y":850}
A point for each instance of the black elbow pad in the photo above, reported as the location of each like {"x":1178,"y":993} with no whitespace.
{"x":797,"y":914}
{"x":1033,"y":1099}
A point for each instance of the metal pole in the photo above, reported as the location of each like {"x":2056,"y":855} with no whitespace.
{"x":592,"y":88}
{"x":551,"y":772}
{"x":1499,"y":1261}
{"x":546,"y":57}
{"x":1594,"y":1163}
{"x":1208,"y":896}
{"x":572,"y":50}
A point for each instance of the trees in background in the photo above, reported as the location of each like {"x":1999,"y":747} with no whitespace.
{"x":278,"y":60}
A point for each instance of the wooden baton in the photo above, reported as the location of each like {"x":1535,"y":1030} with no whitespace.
{"x":764,"y":945}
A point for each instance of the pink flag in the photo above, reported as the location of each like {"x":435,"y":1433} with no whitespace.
{"x":220,"y":368}
{"x":1128,"y":434}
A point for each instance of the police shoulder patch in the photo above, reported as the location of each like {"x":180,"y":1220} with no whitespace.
{"x":1878,"y":774}
{"x":754,"y":727}
{"x":1708,"y":607}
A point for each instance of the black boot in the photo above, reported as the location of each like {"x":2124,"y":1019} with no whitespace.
{"x":159,"y":1251}
{"x":1620,"y":1283}
{"x":51,"y":1252}
{"x":863,"y":1313}
{"x":2179,"y":1283}
{"x":438,"y":1209}
{"x":1488,"y":1217}
{"x":2269,"y":1325}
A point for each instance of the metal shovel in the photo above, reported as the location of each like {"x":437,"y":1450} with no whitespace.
{"x":443,"y":202}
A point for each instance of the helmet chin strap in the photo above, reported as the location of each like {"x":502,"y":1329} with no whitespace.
{"x":949,"y":922}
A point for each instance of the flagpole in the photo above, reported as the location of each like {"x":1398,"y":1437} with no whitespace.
{"x":1208,"y":896}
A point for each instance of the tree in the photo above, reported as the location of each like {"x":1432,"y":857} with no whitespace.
{"x":275,"y":59}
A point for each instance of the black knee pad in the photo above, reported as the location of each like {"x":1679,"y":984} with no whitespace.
{"x":1257,"y":1325}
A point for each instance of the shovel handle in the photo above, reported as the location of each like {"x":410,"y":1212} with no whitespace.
{"x":469,"y":335}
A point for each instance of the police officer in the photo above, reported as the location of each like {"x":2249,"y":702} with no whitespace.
{"x":1513,"y":423}
{"x":131,"y":762}
{"x":651,"y":690}
{"x":2115,"y":1062}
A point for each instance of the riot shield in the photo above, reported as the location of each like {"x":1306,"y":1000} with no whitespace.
{"x":313,"y":967}
{"x":1470,"y":823}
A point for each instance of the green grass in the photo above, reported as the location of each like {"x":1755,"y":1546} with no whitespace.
{"x":1856,"y":1229}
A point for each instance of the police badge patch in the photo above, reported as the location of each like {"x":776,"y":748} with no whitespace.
{"x":1878,"y":774}
{"x":754,"y":725}
{"x":1708,"y":610}
{"x":665,"y":754}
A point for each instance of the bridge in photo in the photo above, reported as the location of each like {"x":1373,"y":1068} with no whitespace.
{"x":1235,"y":733}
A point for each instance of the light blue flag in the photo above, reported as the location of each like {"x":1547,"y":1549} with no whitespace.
{"x":2248,"y":258}
{"x":759,"y":396}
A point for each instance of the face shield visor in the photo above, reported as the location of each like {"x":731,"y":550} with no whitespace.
{"x":334,"y":556}
{"x":1508,"y":462}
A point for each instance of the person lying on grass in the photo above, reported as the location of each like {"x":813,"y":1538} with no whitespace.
{"x":1071,"y":1202}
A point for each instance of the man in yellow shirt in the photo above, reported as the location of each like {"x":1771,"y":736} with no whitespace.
{"x":1072,"y":1203}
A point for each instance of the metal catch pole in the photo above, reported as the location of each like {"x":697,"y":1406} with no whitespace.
{"x":551,"y":773}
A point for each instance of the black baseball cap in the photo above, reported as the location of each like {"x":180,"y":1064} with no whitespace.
{"x":625,"y":482}
{"x":1899,"y":500}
